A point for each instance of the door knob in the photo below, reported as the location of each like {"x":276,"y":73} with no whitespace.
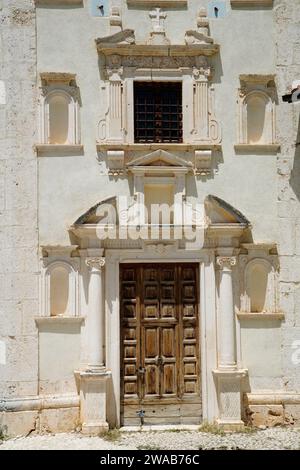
{"x":159,"y":361}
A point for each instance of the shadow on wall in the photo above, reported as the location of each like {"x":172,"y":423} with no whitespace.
{"x":295,"y":173}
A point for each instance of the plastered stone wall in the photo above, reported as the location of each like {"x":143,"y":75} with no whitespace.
{"x":287,"y":26}
{"x":18,"y":200}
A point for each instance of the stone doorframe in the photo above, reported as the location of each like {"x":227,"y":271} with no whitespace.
{"x":221,"y":373}
{"x":208,"y":327}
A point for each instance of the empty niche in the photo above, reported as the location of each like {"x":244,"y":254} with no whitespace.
{"x":259,"y":286}
{"x":59,"y":291}
{"x":59,"y":104}
{"x":257,"y":118}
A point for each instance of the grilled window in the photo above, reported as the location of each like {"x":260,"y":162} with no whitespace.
{"x":157,"y":112}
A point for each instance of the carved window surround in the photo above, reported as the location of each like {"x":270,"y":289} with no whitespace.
{"x":251,"y":3}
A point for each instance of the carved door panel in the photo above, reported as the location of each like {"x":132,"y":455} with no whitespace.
{"x":160,"y":343}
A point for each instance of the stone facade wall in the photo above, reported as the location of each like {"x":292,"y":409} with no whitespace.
{"x":18,"y":203}
{"x":287,"y":22}
{"x":287,"y":53}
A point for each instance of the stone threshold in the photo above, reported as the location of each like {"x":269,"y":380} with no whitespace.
{"x":161,"y":427}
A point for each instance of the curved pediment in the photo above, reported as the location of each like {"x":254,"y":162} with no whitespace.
{"x":219,"y":211}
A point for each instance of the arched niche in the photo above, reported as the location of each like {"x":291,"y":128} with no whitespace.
{"x":260,"y":286}
{"x":258,"y":116}
{"x":60,"y":289}
{"x":59,"y":121}
{"x":59,"y":111}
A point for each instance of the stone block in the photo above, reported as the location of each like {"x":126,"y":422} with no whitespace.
{"x":19,"y":423}
{"x":59,"y":420}
{"x":265,"y":415}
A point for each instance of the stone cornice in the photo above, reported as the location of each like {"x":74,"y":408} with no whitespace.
{"x":58,"y":2}
{"x":158,"y":146}
{"x":180,"y":50}
{"x":50,"y":78}
{"x":157,"y":3}
{"x":251,"y":3}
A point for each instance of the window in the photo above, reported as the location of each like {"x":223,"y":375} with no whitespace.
{"x":157,"y":112}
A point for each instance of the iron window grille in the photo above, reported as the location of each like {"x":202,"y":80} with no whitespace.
{"x":157,"y":112}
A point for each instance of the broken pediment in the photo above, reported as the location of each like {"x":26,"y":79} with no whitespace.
{"x":194,"y":37}
{"x":160,"y":158}
{"x":106,"y":209}
{"x":122,"y":37}
{"x":220,"y":212}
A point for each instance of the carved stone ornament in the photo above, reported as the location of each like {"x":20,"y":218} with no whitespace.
{"x":115,"y":162}
{"x":226,"y":262}
{"x":95,"y":264}
{"x":123,"y":37}
{"x":158,"y":33}
{"x":203,"y":161}
{"x":201,"y":36}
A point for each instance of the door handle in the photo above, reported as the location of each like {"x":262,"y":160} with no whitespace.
{"x":141,"y":370}
{"x":159,"y":361}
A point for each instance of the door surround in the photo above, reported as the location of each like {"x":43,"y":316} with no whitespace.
{"x":207,"y":327}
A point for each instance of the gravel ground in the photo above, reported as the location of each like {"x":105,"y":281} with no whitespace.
{"x":276,"y":438}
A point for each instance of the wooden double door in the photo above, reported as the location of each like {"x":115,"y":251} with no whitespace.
{"x":160,"y":353}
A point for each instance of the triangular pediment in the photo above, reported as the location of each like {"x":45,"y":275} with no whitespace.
{"x":160,"y":158}
{"x":220,"y":212}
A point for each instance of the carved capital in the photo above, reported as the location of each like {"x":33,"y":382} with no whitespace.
{"x":114,"y":68}
{"x":95,"y":264}
{"x":226,"y":262}
{"x":202,"y":70}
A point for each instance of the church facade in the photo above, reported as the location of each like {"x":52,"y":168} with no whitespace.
{"x":150,"y":214}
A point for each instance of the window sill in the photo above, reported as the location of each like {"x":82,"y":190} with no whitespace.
{"x":157,"y":3}
{"x":45,"y":150}
{"x":165,"y":146}
{"x":261,"y":315}
{"x":257,"y":148}
{"x":58,"y":2}
{"x":251,"y":3}
{"x":58,"y":319}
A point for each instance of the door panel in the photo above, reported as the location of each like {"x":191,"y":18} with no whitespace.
{"x":160,"y":343}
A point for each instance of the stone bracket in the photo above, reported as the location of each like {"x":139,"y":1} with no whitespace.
{"x":115,"y":162}
{"x":203,"y":162}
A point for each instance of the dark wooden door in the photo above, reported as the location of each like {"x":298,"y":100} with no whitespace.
{"x":160,"y":371}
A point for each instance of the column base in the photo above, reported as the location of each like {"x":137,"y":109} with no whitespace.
{"x":229,"y":395}
{"x":94,"y":429}
{"x":228,"y":425}
{"x":93,"y":401}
